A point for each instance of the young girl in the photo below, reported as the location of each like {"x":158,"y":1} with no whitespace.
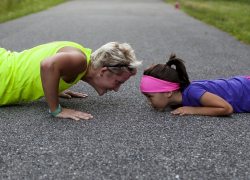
{"x":163,"y":86}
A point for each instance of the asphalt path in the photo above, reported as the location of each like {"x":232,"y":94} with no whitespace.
{"x":126,"y":139}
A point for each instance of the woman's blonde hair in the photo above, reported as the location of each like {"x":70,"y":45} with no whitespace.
{"x":117,"y":57}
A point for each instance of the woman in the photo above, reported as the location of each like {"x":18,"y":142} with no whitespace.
{"x":49,"y":69}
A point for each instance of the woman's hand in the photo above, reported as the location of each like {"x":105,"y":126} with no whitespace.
{"x":69,"y":94}
{"x":72,"y":114}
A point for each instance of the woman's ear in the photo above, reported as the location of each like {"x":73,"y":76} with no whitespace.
{"x":103,"y":69}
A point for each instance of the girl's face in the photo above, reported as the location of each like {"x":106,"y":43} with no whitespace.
{"x":159,"y":101}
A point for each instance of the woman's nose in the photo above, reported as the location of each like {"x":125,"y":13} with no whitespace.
{"x":117,"y":88}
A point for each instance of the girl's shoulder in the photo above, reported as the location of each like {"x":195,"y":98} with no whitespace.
{"x":194,"y":88}
{"x":192,"y":94}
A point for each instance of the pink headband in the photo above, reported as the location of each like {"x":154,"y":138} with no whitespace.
{"x":150,"y":84}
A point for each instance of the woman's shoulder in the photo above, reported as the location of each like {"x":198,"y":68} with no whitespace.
{"x":75,"y":47}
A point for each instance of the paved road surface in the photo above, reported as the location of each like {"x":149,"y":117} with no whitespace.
{"x":126,"y":139}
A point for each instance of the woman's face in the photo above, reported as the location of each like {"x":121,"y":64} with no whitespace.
{"x":109,"y":81}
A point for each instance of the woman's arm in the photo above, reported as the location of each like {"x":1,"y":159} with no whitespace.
{"x":213,"y":105}
{"x":69,"y":94}
{"x":56,"y":66}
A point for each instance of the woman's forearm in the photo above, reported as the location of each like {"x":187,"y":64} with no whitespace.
{"x":50,"y":77}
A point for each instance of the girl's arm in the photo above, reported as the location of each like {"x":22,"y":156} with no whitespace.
{"x":56,"y":66}
{"x":213,"y":105}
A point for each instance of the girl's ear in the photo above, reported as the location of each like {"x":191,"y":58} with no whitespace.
{"x":168,"y":94}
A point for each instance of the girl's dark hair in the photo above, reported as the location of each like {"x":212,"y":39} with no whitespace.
{"x":167,"y":73}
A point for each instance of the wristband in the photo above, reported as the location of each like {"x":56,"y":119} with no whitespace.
{"x":57,"y":111}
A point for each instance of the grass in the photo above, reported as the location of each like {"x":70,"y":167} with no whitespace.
{"x":232,"y":16}
{"x":11,"y":9}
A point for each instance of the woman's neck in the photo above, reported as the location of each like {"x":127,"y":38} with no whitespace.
{"x":89,"y":75}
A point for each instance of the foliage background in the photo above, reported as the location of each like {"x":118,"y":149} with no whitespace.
{"x":232,"y":16}
{"x":11,"y":9}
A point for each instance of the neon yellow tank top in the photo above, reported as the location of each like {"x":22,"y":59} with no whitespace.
{"x":20,"y":79}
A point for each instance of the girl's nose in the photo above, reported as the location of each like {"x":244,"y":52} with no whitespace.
{"x":149,"y":102}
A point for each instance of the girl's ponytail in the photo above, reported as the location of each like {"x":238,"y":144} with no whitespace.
{"x":180,"y":69}
{"x":167,"y":73}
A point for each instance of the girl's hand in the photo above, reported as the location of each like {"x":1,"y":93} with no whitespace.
{"x":72,"y":114}
{"x":185,"y":110}
{"x":68,"y":94}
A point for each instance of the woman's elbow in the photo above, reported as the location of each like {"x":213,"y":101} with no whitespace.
{"x":45,"y":66}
